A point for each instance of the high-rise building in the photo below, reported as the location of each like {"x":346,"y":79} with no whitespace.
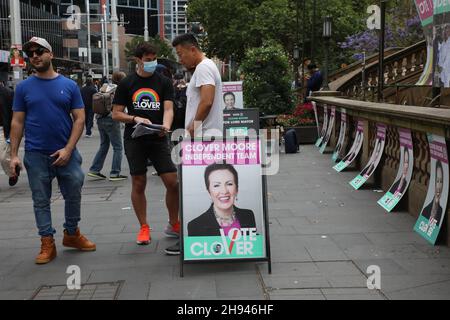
{"x":38,"y":18}
{"x":173,"y":18}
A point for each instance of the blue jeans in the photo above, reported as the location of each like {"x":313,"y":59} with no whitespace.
{"x":109,"y":133}
{"x":70,"y":179}
{"x":89,"y":120}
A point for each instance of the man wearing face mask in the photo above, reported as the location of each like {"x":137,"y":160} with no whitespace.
{"x":148,"y":97}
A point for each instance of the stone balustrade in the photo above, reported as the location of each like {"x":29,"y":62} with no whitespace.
{"x":419,"y":120}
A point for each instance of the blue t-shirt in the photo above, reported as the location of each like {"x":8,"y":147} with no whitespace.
{"x":47,"y":104}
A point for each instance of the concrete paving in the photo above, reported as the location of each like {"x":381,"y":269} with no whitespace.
{"x":324,"y":236}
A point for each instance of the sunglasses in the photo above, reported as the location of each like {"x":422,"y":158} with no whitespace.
{"x":39,"y":51}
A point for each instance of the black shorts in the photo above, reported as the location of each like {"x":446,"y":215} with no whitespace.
{"x":139,"y":150}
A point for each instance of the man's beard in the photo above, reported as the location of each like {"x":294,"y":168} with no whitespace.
{"x":44,"y":68}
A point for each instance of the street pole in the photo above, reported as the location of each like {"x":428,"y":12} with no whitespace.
{"x":229,"y":70}
{"x":103,"y":47}
{"x":172,"y":31}
{"x":146,"y":20}
{"x":176,"y":17}
{"x":16,"y":36}
{"x":327,"y":32}
{"x":313,"y":34}
{"x":88,"y":13}
{"x":363,"y":76}
{"x":327,"y":51}
{"x":295,"y":55}
{"x":115,"y":36}
{"x":381,"y":53}
{"x":106,"y":42}
{"x":303,"y":50}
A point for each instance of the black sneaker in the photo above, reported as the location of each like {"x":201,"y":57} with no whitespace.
{"x":96,"y":175}
{"x":173,"y":250}
{"x":118,"y":178}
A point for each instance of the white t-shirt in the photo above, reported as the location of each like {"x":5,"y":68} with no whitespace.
{"x":206,"y":73}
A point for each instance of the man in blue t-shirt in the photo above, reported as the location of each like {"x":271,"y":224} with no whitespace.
{"x":43,"y":106}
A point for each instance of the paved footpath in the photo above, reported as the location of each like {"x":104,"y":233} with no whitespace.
{"x":324,"y":235}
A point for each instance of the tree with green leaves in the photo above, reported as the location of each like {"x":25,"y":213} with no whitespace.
{"x":233,"y":26}
{"x":165,"y":50}
{"x":267,"y":84}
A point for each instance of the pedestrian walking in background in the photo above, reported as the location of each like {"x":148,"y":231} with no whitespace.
{"x":204,"y":96}
{"x":44,"y":106}
{"x":148,"y":97}
{"x":6,"y":99}
{"x":87,"y":92}
{"x":109,"y":134}
{"x":315,"y":80}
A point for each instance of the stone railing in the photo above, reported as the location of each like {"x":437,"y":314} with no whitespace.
{"x":420,"y":120}
{"x":357,"y":66}
{"x":404,"y":66}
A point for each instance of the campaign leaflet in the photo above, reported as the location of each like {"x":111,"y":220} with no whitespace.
{"x":430,"y":220}
{"x":441,"y":44}
{"x":337,"y":154}
{"x":354,"y":150}
{"x":314,"y":104}
{"x":404,"y":173}
{"x":324,"y":126}
{"x":222,"y":200}
{"x":374,"y":160}
{"x":232,"y":95}
{"x":329,"y":129}
{"x":241,"y":122}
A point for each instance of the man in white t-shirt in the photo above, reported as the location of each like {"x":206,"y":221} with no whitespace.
{"x":204,"y":92}
{"x":204,"y":114}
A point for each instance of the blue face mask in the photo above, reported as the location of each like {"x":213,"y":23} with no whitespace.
{"x":150,"y":66}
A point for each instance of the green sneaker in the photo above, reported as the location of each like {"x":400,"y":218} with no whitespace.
{"x":96,"y":175}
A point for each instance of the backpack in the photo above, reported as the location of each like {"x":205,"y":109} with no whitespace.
{"x":290,"y":141}
{"x":102,"y":101}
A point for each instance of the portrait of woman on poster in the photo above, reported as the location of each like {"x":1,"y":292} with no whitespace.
{"x":398,"y":188}
{"x":352,"y":154}
{"x":434,"y":210}
{"x":368,"y":170}
{"x":222,"y":184}
{"x":338,"y":149}
{"x":229,"y":99}
{"x":327,"y":138}
{"x":17,"y":58}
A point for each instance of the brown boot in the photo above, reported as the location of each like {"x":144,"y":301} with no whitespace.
{"x":78,"y":241}
{"x":48,"y":250}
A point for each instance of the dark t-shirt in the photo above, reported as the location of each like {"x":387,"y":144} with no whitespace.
{"x":87,"y":93}
{"x":144,"y":97}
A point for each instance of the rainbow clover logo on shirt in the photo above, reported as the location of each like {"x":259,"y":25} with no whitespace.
{"x":146,"y":99}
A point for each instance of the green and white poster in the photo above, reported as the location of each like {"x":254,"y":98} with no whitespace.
{"x":374,"y":160}
{"x":329,"y":130}
{"x":337,"y":154}
{"x":430,"y":220}
{"x":425,"y":11}
{"x":354,"y":150}
{"x":223,"y":213}
{"x":404,"y":173}
{"x":324,"y":126}
{"x":441,"y":43}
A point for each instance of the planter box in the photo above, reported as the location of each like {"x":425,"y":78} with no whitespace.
{"x":305,"y":135}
